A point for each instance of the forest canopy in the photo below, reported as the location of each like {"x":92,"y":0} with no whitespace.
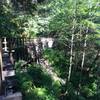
{"x":74,"y":58}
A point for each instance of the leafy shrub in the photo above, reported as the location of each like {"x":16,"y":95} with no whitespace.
{"x":36,"y":84}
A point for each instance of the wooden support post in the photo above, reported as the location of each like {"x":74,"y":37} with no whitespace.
{"x":1,"y":67}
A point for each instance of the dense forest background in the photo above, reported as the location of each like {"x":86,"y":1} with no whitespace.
{"x":75,"y":57}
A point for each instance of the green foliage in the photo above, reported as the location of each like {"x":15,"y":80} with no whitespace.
{"x":5,"y":21}
{"x":89,"y":90}
{"x":22,"y":23}
{"x":58,"y":61}
{"x":59,"y":19}
{"x":36,"y":84}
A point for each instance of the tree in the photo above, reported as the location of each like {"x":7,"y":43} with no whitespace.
{"x":85,"y":28}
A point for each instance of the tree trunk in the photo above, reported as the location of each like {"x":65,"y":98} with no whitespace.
{"x":0,"y":67}
{"x":83,"y":57}
{"x":71,"y":58}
